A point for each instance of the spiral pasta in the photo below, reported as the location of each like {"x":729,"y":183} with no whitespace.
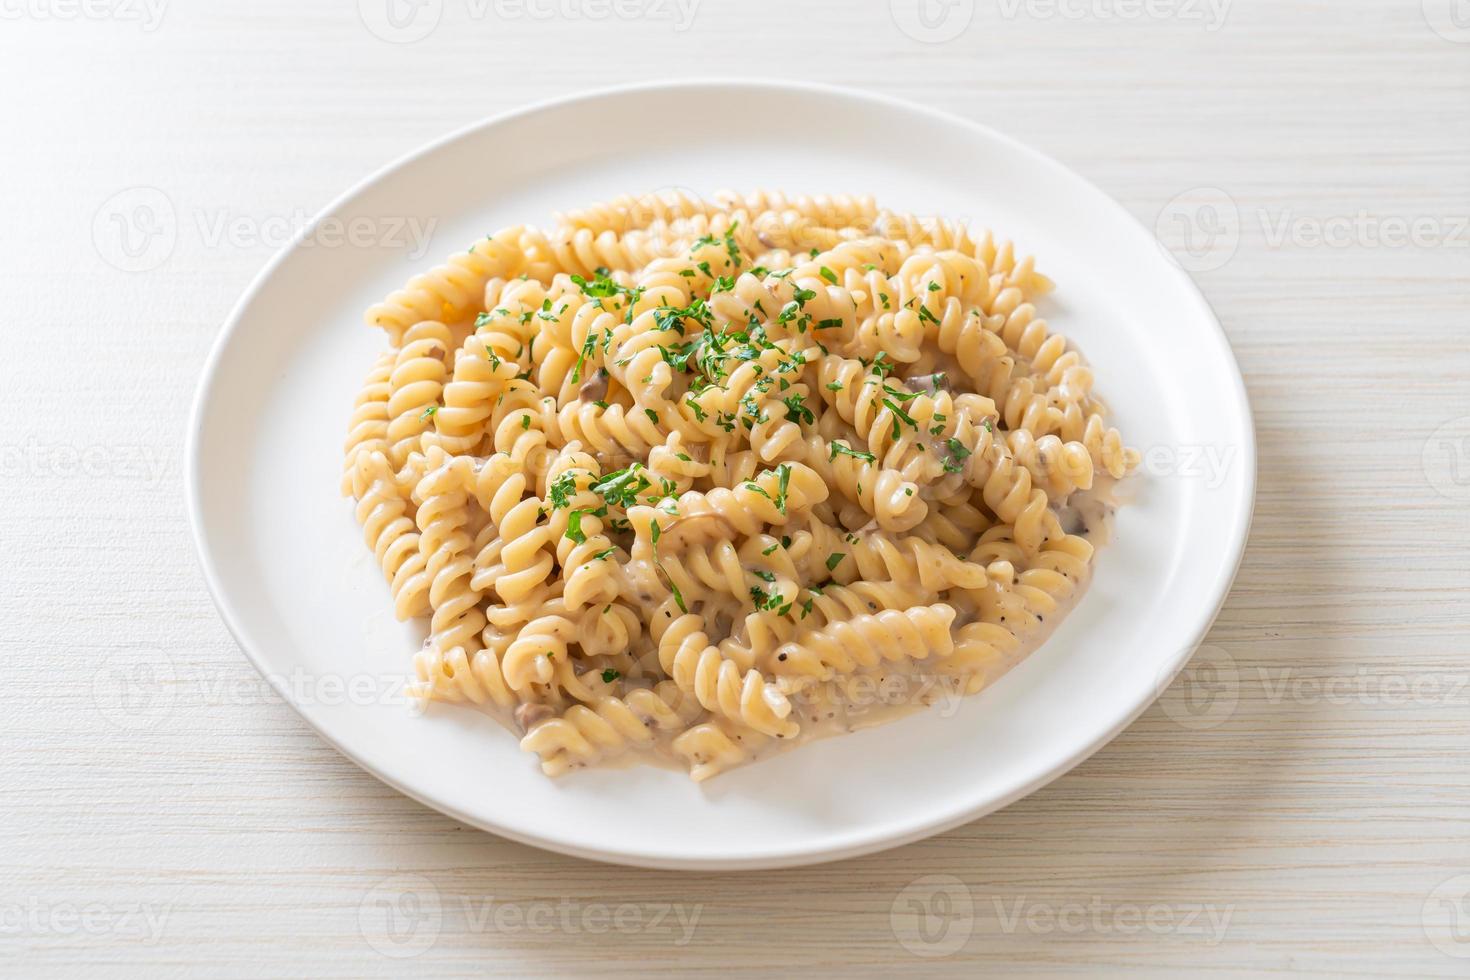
{"x":684,"y":475}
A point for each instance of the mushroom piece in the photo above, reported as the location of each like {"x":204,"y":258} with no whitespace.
{"x":938,"y":381}
{"x":595,"y":390}
{"x":529,"y":715}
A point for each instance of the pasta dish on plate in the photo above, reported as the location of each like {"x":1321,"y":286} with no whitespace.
{"x":694,"y":479}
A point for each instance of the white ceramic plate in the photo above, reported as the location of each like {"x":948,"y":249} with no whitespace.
{"x":299,"y":590}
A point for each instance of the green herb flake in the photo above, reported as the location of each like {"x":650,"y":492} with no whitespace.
{"x":840,"y":448}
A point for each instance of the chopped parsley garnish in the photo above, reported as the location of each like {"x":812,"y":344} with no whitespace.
{"x":561,"y":489}
{"x":653,"y":534}
{"x":841,"y":448}
{"x":609,"y":675}
{"x":588,"y":346}
{"x":601,"y":286}
{"x":622,"y":487}
{"x":900,"y":414}
{"x":766,"y":601}
{"x":958,"y":452}
{"x":796,"y":411}
{"x":835,"y":559}
{"x":574,"y":527}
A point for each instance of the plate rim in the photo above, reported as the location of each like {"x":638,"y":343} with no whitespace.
{"x":870,"y":841}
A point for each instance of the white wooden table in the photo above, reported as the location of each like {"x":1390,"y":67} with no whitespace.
{"x":1312,"y":816}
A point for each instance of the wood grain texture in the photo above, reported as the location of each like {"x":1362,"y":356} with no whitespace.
{"x":1305,"y":829}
